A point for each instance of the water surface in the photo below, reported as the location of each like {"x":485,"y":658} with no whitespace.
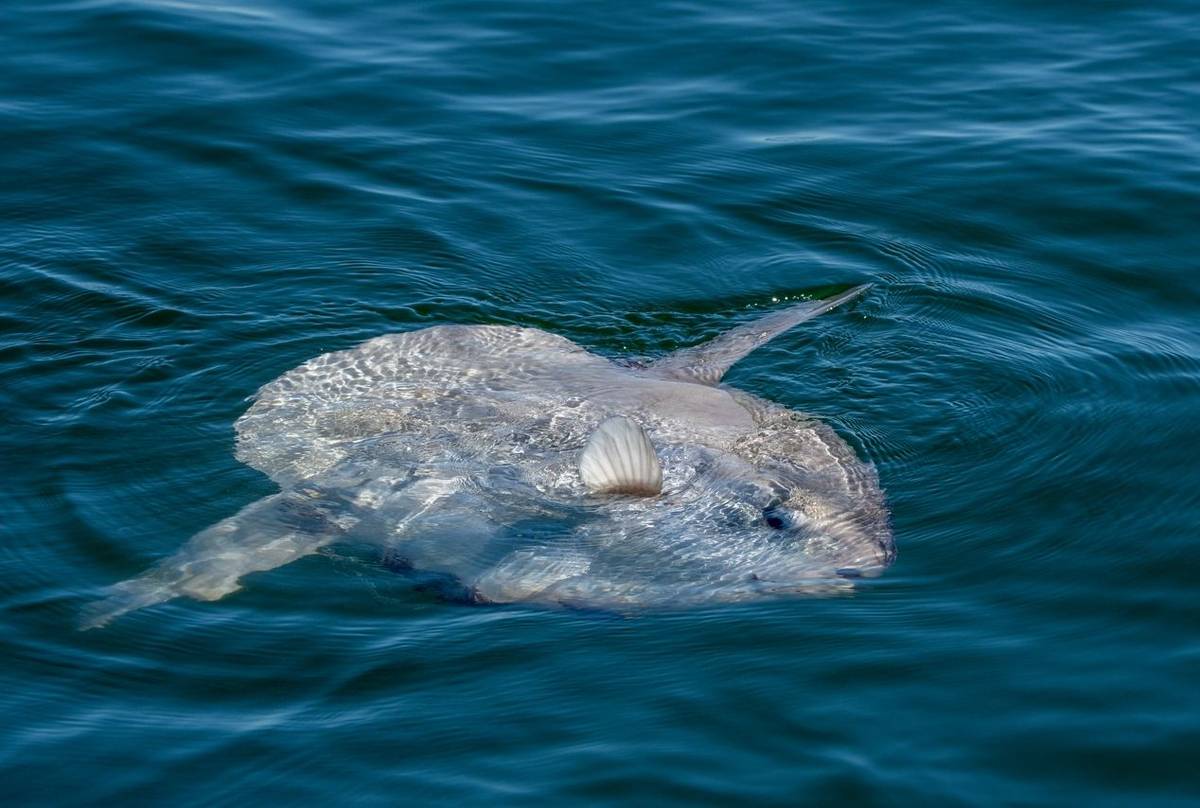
{"x":198,"y":197}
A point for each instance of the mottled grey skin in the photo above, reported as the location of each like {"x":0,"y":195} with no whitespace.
{"x":456,"y":448}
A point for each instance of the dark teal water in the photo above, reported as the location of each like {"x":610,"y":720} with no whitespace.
{"x":198,"y":196}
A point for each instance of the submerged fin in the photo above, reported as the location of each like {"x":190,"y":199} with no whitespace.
{"x":708,"y":362}
{"x":525,"y":574}
{"x":619,"y":459}
{"x":269,"y":533}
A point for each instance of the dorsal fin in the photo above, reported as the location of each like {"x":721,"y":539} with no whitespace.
{"x":619,"y":459}
{"x":707,"y":363}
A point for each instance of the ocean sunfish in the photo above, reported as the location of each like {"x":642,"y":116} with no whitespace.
{"x":530,"y":470}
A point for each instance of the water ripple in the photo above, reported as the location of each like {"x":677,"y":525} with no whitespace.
{"x":203,"y":195}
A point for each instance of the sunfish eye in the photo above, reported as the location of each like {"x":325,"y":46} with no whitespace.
{"x":776,"y":518}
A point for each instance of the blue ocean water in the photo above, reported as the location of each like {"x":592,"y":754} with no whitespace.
{"x":197,"y":196}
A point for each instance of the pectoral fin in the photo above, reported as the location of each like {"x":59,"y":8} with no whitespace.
{"x":266,"y":534}
{"x":620,"y":459}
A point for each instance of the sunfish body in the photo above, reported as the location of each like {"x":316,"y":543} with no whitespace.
{"x":532,"y":470}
